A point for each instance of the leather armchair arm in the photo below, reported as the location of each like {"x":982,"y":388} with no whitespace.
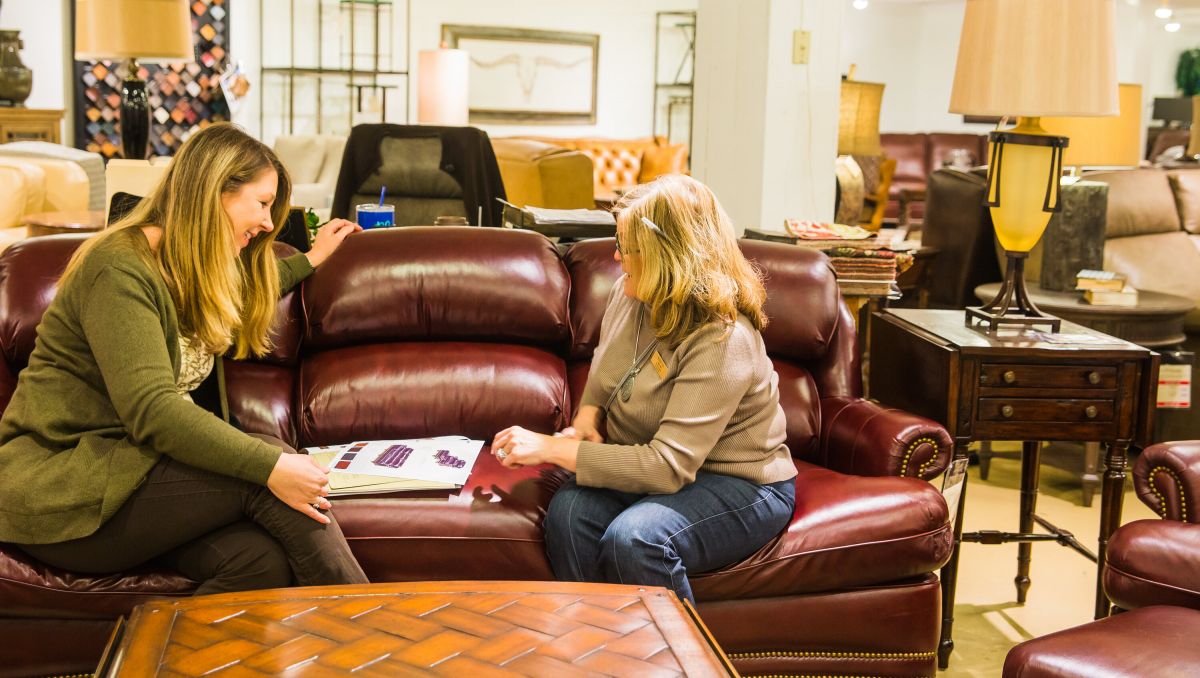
{"x":863,"y":438}
{"x":1167,"y":479}
{"x":1153,"y":562}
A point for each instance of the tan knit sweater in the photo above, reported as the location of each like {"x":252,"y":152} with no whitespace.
{"x":715,"y":408}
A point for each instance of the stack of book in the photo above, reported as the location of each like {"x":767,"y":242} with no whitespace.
{"x":1105,"y":288}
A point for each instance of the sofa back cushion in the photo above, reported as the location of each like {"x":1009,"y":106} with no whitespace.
{"x":1185,"y":184}
{"x":1140,"y":202}
{"x":425,"y":331}
{"x":910,"y":152}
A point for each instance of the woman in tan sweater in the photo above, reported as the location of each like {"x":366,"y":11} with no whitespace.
{"x":694,"y":473}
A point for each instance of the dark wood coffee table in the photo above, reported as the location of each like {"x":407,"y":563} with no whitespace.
{"x":428,"y":628}
{"x":53,"y":223}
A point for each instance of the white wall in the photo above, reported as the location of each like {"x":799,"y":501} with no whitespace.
{"x":44,"y":29}
{"x":912,"y":48}
{"x":625,"y":87}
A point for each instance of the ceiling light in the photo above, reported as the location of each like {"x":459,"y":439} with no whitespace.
{"x":860,"y":4}
{"x":1163,"y":12}
{"x":1172,"y":27}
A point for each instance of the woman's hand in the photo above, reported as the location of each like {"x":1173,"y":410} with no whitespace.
{"x":302,"y":483}
{"x":586,"y":425}
{"x":329,"y":238}
{"x":516,"y":447}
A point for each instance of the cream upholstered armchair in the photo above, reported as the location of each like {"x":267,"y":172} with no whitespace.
{"x":34,"y":184}
{"x":131,"y":177}
{"x":313,"y":161}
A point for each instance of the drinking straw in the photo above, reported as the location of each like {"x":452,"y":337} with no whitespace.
{"x":382,"y":191}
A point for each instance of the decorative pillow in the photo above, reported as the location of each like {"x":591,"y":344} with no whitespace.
{"x":658,"y":160}
{"x":411,"y":167}
{"x":1186,"y":185}
{"x":301,"y":155}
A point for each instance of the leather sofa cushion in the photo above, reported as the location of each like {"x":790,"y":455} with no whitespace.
{"x":1185,"y":184}
{"x":1153,"y":562}
{"x":1140,"y":202}
{"x":468,"y":284}
{"x":910,"y":152}
{"x":1163,"y":262}
{"x":411,"y":390}
{"x":37,"y":263}
{"x":1156,"y":641}
{"x":659,"y":160}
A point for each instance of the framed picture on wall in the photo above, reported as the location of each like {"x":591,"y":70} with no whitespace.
{"x":528,"y":76}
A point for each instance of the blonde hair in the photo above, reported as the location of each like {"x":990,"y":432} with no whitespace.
{"x":222,"y":298}
{"x":692,"y":271}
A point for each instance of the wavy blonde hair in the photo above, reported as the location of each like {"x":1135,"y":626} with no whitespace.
{"x":223,"y":299}
{"x":692,"y":272}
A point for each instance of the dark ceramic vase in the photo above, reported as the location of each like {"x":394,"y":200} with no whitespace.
{"x":16,"y":81}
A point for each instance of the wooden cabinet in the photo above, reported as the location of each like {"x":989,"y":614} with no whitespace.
{"x":30,"y":124}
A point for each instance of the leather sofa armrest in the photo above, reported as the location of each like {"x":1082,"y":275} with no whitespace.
{"x":1153,"y":562}
{"x":1167,"y":479}
{"x":863,"y":438}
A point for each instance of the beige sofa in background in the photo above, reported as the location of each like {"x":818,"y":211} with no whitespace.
{"x":29,"y":185}
{"x":313,"y":162}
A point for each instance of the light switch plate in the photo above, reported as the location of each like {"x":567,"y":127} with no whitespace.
{"x":800,"y":42}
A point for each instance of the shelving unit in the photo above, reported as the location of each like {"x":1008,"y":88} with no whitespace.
{"x":674,"y":67}
{"x":333,"y":64}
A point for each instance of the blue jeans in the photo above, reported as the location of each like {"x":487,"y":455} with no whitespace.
{"x":600,"y":535}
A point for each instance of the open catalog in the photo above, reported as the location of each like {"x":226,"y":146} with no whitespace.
{"x":442,"y":463}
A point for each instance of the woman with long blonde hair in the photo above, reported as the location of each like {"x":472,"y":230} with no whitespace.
{"x":117,"y":447}
{"x":694,"y":473}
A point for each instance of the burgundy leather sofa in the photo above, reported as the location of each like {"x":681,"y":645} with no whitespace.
{"x":419,"y":331}
{"x":1153,"y":572}
{"x":917,"y":155}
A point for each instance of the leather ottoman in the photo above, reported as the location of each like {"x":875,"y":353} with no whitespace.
{"x":1152,"y":641}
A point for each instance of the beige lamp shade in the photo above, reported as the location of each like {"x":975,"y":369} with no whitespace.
{"x":1036,"y":58}
{"x":858,"y":118}
{"x":442,"y":86}
{"x":147,"y":30}
{"x":1111,"y":141}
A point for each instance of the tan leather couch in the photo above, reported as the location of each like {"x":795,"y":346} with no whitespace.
{"x":1153,"y":231}
{"x":29,"y":185}
{"x":543,"y":175}
{"x":621,"y":164}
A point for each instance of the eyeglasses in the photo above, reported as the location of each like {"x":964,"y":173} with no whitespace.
{"x":654,"y":228}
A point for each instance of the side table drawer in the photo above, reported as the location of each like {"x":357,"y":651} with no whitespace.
{"x":1045,"y":409}
{"x":1047,"y":376}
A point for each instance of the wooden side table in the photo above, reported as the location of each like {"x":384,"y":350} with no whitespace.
{"x":30,"y":124}
{"x":54,"y":223}
{"x":437,"y":628}
{"x":1012,"y":384}
{"x":1156,"y":322}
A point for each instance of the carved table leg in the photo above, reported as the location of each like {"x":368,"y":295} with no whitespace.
{"x":1111,"y":499}
{"x":949,"y":575}
{"x":1030,"y":465}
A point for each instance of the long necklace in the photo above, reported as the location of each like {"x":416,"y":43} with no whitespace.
{"x":627,"y":385}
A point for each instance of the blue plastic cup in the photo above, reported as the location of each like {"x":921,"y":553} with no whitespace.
{"x":371,"y":215}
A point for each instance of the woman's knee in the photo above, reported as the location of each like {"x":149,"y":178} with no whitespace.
{"x":635,"y":535}
{"x":259,"y":563}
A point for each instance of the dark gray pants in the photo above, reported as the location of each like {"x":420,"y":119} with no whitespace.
{"x":225,"y":533}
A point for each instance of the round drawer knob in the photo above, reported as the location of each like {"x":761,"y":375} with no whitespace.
{"x":1006,"y":411}
{"x":1093,"y":377}
{"x":1010,"y":377}
{"x":1090,"y":412}
{"x":983,"y":379}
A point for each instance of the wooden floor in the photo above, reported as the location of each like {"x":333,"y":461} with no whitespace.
{"x":988,"y":621}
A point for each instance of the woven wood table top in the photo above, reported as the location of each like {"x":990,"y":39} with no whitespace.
{"x":476,"y":629}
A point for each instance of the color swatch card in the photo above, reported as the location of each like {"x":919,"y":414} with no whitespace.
{"x":446,"y":459}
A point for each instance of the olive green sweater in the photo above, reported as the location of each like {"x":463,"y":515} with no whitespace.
{"x":97,"y":406}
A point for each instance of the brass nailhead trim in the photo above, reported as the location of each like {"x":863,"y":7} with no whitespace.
{"x":837,"y":655}
{"x":1162,"y":501}
{"x":912,"y":447}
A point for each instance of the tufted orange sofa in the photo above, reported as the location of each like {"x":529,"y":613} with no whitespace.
{"x":620,"y":164}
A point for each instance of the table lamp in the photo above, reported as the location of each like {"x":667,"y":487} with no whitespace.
{"x":1030,"y":58}
{"x":1108,"y":141}
{"x":150,"y":30}
{"x":442,"y":86}
{"x":858,"y":134}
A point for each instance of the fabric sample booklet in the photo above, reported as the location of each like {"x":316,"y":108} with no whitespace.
{"x":397,"y":465}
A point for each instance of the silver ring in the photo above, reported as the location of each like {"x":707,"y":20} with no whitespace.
{"x":500,"y":453}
